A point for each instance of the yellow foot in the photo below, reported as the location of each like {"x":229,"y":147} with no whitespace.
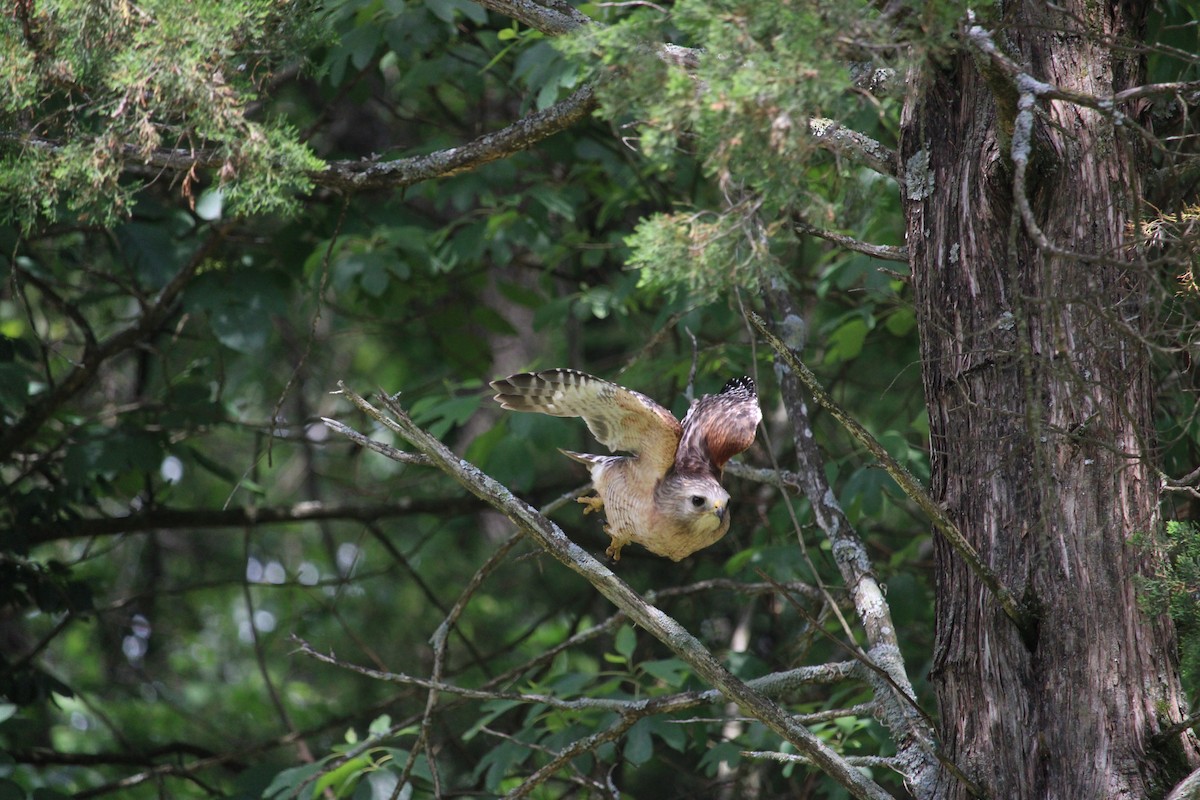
{"x":590,"y":504}
{"x":614,"y":550}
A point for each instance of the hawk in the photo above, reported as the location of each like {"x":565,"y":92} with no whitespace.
{"x":666,"y":496}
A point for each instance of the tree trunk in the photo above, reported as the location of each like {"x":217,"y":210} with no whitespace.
{"x":1040,"y":410}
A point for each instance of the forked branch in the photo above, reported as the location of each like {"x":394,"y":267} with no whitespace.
{"x":908,"y":484}
{"x":551,"y":538}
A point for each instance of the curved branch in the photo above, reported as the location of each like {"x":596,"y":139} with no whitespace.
{"x":854,"y":145}
{"x":377,"y":173}
{"x":880,"y":251}
{"x":520,"y":135}
{"x":554,"y":18}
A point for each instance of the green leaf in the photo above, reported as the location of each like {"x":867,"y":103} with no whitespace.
{"x":14,"y":386}
{"x":289,"y":782}
{"x":498,"y":762}
{"x":492,"y":709}
{"x":670,"y":732}
{"x":727,"y":752}
{"x":901,"y":321}
{"x":151,"y":251}
{"x":225,"y":474}
{"x":240,"y":305}
{"x":638,"y":745}
{"x":846,"y":343}
{"x":439,"y":414}
{"x":521,"y":295}
{"x":343,"y":778}
{"x":360,"y":45}
{"x":42,"y":793}
{"x":625,"y":642}
{"x":112,"y":453}
{"x":670,"y":671}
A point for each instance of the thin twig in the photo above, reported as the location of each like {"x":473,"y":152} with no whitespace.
{"x":374,"y":444}
{"x":80,"y":377}
{"x":164,"y":518}
{"x":776,"y":684}
{"x":664,"y":628}
{"x":575,"y":749}
{"x":880,"y":251}
{"x":908,"y":484}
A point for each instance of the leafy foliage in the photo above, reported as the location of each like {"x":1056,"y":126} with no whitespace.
{"x":175,"y":512}
{"x":1176,"y":590}
{"x":97,"y":87}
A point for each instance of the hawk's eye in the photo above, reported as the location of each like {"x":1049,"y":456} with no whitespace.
{"x":697,"y":501}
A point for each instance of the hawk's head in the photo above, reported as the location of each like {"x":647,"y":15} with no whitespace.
{"x":697,"y":502}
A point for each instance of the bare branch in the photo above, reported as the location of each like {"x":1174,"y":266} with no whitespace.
{"x":664,"y":628}
{"x":890,"y":762}
{"x":520,"y":135}
{"x":778,"y":684}
{"x":881,"y":251}
{"x":780,"y":479}
{"x":374,"y":444}
{"x":894,"y":695}
{"x":854,"y":145}
{"x":902,"y":476}
{"x":1153,"y":89}
{"x":1188,"y":788}
{"x":588,"y":743}
{"x":554,"y":17}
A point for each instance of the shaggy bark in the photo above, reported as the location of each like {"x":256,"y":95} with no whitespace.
{"x":1040,"y":410}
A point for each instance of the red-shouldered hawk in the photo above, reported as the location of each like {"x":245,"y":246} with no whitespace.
{"x":666,"y":496}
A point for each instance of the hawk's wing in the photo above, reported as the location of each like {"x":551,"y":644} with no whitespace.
{"x":717,"y":427}
{"x":619,"y":418}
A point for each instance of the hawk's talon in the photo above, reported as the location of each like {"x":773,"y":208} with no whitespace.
{"x":614,"y":547}
{"x":590,"y":504}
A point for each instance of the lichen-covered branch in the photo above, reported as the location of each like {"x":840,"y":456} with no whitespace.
{"x":553,"y":18}
{"x":664,"y":628}
{"x":894,"y":695}
{"x":880,"y":251}
{"x":856,"y":146}
{"x":775,"y":685}
{"x":520,"y":135}
{"x":908,"y":484}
